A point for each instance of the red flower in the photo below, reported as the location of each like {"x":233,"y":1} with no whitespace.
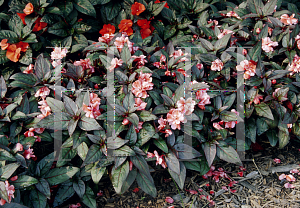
{"x":39,"y":25}
{"x":144,"y":23}
{"x":169,"y":199}
{"x":23,"y":46}
{"x":166,"y":5}
{"x":13,"y":53}
{"x":137,"y":8}
{"x":22,"y":16}
{"x":108,"y":29}
{"x":145,"y":33}
{"x":125,"y":26}
{"x":136,"y":190}
{"x":240,"y":173}
{"x":211,"y":192}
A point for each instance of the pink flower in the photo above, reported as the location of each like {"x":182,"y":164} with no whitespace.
{"x":294,"y":171}
{"x":14,"y":178}
{"x":39,"y":130}
{"x":288,"y":185}
{"x":42,"y":92}
{"x":140,"y":104}
{"x":90,"y":112}
{"x":58,"y":53}
{"x":231,"y":124}
{"x":267,"y":44}
{"x":168,"y":132}
{"x":140,"y":126}
{"x":211,"y":192}
{"x":120,"y":41}
{"x":249,"y":68}
{"x":186,"y":107}
{"x":217,"y":126}
{"x":175,"y":117}
{"x":140,"y":60}
{"x":203,"y":97}
{"x":179,"y":53}
{"x":85,"y":63}
{"x":28,"y":70}
{"x":294,"y":67}
{"x":29,"y":133}
{"x":169,"y":200}
{"x":282,"y":176}
{"x":290,"y":178}
{"x":242,"y":168}
{"x":162,"y":123}
{"x":38,"y":139}
{"x":56,"y":63}
{"x":150,"y":155}
{"x":100,"y":193}
{"x":160,"y":160}
{"x":115,"y":62}
{"x":288,"y":20}
{"x":277,"y":95}
{"x":257,"y":98}
{"x":18,"y":147}
{"x":199,"y":66}
{"x":140,"y":86}
{"x":276,"y":160}
{"x":10,"y":189}
{"x":290,"y":126}
{"x":232,"y":183}
{"x":28,"y":153}
{"x":213,"y":21}
{"x":44,"y":107}
{"x":125,"y":121}
{"x":75,"y":205}
{"x":232,"y":14}
{"x":224,"y":32}
{"x":225,"y":188}
{"x":241,"y":173}
{"x":258,"y":30}
{"x":217,"y":65}
{"x":94,"y":100}
{"x":106,"y":38}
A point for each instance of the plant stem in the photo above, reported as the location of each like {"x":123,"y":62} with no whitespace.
{"x":178,"y":191}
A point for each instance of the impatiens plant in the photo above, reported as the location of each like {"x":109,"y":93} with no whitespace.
{"x":159,"y":86}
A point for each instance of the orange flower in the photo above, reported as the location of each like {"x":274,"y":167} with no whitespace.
{"x":39,"y":25}
{"x":28,"y":9}
{"x":144,"y":24}
{"x":107,"y":29}
{"x":129,"y":31}
{"x":137,"y":8}
{"x":22,"y":16}
{"x":145,"y":33}
{"x":4,"y":44}
{"x":23,"y":46}
{"x":166,"y":5}
{"x":125,"y":24}
{"x":13,"y":53}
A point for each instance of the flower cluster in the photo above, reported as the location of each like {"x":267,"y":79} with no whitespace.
{"x":140,"y":86}
{"x":10,"y":189}
{"x":13,"y":51}
{"x":92,"y":110}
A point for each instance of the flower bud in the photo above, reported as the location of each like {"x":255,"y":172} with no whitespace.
{"x":125,"y":121}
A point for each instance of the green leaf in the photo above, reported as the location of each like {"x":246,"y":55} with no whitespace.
{"x":146,"y":116}
{"x":128,"y":101}
{"x":262,"y":126}
{"x":145,"y":134}
{"x":70,"y":105}
{"x":85,"y":7}
{"x":250,"y":129}
{"x":227,"y":153}
{"x":7,"y":170}
{"x":97,"y":173}
{"x":255,"y":52}
{"x":24,"y":181}
{"x":283,"y":135}
{"x":206,"y":44}
{"x":125,"y":54}
{"x":112,"y":9}
{"x":55,"y":105}
{"x":221,"y":43}
{"x":89,"y":124}
{"x":37,"y":199}
{"x":179,"y":177}
{"x":42,"y":68}
{"x":115,"y":143}
{"x":146,"y":184}
{"x":123,"y":151}
{"x":185,"y":151}
{"x":23,"y":80}
{"x":272,"y":136}
{"x":3,"y":88}
{"x":89,"y":198}
{"x":93,"y":155}
{"x":64,"y":192}
{"x":170,"y":30}
{"x":134,"y":119}
{"x":3,"y":192}
{"x":15,"y":24}
{"x":269,"y":7}
{"x":228,"y":116}
{"x":119,"y":176}
{"x":210,"y":151}
{"x":6,"y":156}
{"x":44,"y":165}
{"x":202,"y":167}
{"x":172,"y":162}
{"x":43,"y":187}
{"x":141,"y":164}
{"x":157,"y":8}
{"x":79,"y":187}
{"x":49,"y":122}
{"x":264,"y":110}
{"x":129,"y":180}
{"x":10,"y":35}
{"x":60,"y":175}
{"x":161,"y":144}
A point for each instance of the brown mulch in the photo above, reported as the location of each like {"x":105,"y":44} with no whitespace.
{"x":259,"y":186}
